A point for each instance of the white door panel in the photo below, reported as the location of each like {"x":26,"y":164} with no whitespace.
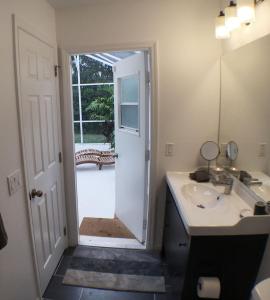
{"x":41,"y":147}
{"x":131,"y":142}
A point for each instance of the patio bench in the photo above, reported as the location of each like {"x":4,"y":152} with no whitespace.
{"x":93,"y":156}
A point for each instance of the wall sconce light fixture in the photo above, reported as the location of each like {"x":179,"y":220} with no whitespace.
{"x":222,"y":31}
{"x":232,"y":21}
{"x":246,"y":11}
{"x":235,"y":14}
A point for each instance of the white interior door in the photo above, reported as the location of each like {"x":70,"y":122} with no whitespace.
{"x":38,"y":112}
{"x":132,"y":142}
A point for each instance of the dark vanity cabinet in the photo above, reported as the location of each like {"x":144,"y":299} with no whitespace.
{"x":235,"y":260}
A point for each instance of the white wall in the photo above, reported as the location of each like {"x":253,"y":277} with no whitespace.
{"x":187,"y":61}
{"x":17,"y":279}
{"x":247,"y":34}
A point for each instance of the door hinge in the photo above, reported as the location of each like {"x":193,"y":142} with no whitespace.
{"x":147,"y":155}
{"x":65,"y":231}
{"x":60,"y":157}
{"x":56,"y":68}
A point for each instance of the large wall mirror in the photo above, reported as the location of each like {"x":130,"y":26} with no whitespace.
{"x":245,"y":112}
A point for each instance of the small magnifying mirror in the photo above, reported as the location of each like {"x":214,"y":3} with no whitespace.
{"x":232,"y":151}
{"x":210,"y":150}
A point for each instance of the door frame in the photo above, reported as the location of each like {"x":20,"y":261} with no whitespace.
{"x":19,"y":24}
{"x":68,"y":135}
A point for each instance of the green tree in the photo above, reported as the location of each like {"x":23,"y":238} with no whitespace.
{"x":91,"y":93}
{"x":93,"y":71}
{"x":102,"y":108}
{"x":96,"y":100}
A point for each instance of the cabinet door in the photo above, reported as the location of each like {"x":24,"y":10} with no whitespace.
{"x":176,"y":240}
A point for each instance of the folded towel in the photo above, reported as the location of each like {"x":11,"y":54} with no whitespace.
{"x":200,"y":176}
{"x":3,"y":234}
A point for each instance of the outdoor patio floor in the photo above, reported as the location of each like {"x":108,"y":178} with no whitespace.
{"x":96,"y":199}
{"x":96,"y":191}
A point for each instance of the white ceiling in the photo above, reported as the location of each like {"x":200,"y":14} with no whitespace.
{"x":68,"y":3}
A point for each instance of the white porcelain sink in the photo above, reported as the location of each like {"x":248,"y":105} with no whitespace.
{"x":201,"y":196}
{"x":205,"y":210}
{"x":263,"y":191}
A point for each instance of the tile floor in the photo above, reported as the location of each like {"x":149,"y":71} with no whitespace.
{"x":57,"y":291}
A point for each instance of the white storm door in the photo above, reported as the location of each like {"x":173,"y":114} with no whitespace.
{"x":39,"y":113}
{"x":132,"y":143}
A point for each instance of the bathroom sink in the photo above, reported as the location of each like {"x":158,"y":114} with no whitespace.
{"x":206,"y":210}
{"x":202,"y":196}
{"x":263,"y":191}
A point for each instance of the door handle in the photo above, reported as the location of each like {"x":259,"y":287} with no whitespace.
{"x":115,"y":155}
{"x":36,"y":193}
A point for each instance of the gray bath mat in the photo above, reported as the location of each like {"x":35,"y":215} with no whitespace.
{"x":119,"y":282}
{"x":116,"y":269}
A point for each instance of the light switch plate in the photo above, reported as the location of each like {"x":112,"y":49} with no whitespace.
{"x":169,"y":149}
{"x":14,"y":182}
{"x":262,"y":149}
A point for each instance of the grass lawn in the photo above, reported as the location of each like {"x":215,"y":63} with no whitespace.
{"x":90,"y":138}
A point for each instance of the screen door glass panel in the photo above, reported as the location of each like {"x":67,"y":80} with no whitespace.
{"x":129,"y":102}
{"x":129,"y":116}
{"x":130,"y":89}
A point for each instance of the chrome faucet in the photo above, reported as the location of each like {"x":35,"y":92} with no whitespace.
{"x":222,"y":179}
{"x":228,"y":186}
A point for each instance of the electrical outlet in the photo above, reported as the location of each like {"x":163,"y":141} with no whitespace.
{"x":14,"y":182}
{"x":262,"y":149}
{"x":169,"y":149}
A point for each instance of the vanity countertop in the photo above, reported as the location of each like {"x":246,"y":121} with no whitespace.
{"x":222,"y":219}
{"x":262,"y":191}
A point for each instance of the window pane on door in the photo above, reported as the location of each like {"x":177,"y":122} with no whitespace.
{"x":130,"y":116}
{"x":129,"y":89}
{"x":77,"y":133}
{"x":93,"y":132}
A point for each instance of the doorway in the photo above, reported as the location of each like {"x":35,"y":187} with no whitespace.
{"x":111,"y":117}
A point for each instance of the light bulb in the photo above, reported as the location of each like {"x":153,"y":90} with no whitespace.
{"x":232,"y":21}
{"x":222,"y":31}
{"x":246,"y":11}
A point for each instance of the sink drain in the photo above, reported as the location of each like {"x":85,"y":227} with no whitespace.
{"x":200,"y":206}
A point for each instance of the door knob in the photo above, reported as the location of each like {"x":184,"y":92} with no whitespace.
{"x":35,"y":193}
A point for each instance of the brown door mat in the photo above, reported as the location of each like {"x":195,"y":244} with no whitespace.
{"x":105,"y":228}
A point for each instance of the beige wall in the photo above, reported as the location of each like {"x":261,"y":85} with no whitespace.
{"x":188,"y":93}
{"x":247,"y":34}
{"x":17,"y":279}
{"x":187,"y":62}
